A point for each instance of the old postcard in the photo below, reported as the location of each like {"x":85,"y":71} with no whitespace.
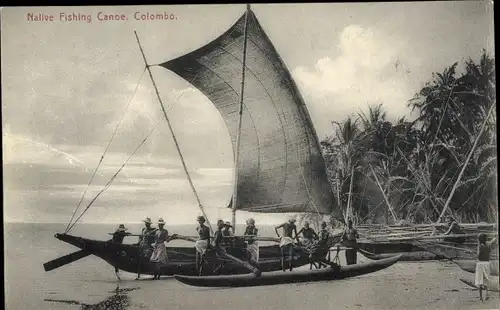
{"x":250,"y":156}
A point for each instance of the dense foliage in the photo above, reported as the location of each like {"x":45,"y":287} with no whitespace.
{"x":416,"y":164}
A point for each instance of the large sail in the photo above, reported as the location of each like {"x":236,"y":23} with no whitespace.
{"x":281,"y":168}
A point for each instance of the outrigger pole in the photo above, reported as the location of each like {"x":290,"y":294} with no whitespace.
{"x":238,"y":136}
{"x":173,"y":135}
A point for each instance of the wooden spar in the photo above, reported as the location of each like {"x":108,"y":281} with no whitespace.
{"x":465,"y":165}
{"x":417,"y":238}
{"x":173,"y":135}
{"x":385,"y":197}
{"x":348,"y":209}
{"x":64,"y":260}
{"x":240,"y":118}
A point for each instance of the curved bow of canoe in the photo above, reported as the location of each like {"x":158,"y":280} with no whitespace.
{"x":280,"y":277}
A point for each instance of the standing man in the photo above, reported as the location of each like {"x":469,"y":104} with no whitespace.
{"x":483,"y":264}
{"x":252,"y":247}
{"x":159,"y":255}
{"x":286,"y":242}
{"x":118,"y":237}
{"x":146,"y":238}
{"x":349,"y":239}
{"x":202,"y":243}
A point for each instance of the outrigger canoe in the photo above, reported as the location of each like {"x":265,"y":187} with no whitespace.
{"x":181,"y":260}
{"x":405,"y":256}
{"x":280,"y":277}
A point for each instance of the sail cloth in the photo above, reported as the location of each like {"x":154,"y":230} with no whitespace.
{"x":281,"y":168}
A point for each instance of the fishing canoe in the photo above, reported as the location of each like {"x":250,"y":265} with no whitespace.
{"x":454,"y":251}
{"x":405,"y":256}
{"x":181,"y":260}
{"x":470,"y":266}
{"x":492,"y":287}
{"x":279,"y":277}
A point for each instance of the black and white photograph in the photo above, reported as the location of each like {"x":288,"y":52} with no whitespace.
{"x":250,"y":156}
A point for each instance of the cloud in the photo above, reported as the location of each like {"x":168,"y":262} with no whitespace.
{"x":369,"y":68}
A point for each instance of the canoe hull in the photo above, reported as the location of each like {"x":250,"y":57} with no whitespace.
{"x":181,"y":260}
{"x":275,"y":278}
{"x":470,"y":266}
{"x":405,"y":256}
{"x":453,"y":251}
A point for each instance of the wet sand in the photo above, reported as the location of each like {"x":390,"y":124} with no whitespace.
{"x":429,"y":285}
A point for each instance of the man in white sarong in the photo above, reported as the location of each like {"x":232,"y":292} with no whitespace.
{"x":252,"y":246}
{"x":159,"y":255}
{"x":483,"y":267}
{"x":287,"y":241}
{"x":202,"y":243}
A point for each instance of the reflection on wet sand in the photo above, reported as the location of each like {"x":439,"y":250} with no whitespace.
{"x":119,"y":301}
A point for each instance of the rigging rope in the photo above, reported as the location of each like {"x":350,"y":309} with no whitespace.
{"x":108,"y":184}
{"x":105,"y":151}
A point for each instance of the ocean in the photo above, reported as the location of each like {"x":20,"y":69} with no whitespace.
{"x":90,"y":283}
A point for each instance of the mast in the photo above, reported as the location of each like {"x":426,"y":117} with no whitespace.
{"x":173,"y":135}
{"x":237,"y":152}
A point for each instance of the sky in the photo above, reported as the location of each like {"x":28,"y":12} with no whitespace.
{"x":67,"y":85}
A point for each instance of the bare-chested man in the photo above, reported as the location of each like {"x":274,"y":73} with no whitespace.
{"x":287,"y":241}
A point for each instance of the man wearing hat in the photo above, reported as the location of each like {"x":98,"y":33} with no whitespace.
{"x":159,"y":255}
{"x":118,"y":237}
{"x":146,"y":238}
{"x":287,"y":241}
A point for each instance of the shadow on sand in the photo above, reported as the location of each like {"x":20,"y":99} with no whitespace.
{"x":118,"y":301}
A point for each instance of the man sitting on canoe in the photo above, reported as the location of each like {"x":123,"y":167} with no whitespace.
{"x":202,"y":243}
{"x":319,"y":248}
{"x":146,"y":238}
{"x":287,"y":241}
{"x":252,"y":247}
{"x":309,"y":235}
{"x":349,"y":240}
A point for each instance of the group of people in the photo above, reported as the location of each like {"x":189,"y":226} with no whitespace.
{"x":152,"y":241}
{"x":151,"y":244}
{"x":223,"y":238}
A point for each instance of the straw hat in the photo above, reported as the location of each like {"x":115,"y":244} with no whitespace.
{"x":161,"y":221}
{"x":228,"y":224}
{"x":148,"y":221}
{"x":251,"y":221}
{"x":121,"y":227}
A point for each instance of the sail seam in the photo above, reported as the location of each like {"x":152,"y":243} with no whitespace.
{"x":277,"y":113}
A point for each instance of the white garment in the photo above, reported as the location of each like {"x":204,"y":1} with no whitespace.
{"x":253,"y":249}
{"x":201,"y":246}
{"x":159,"y":254}
{"x":285,"y":241}
{"x":482,"y":273}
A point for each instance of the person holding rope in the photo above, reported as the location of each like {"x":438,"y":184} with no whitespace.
{"x":202,"y":243}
